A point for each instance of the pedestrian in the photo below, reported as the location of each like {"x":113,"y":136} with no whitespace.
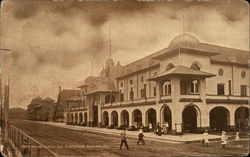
{"x":166,"y":128}
{"x":123,"y":139}
{"x":140,"y":137}
{"x":223,"y":140}
{"x":205,"y":140}
{"x":237,"y":138}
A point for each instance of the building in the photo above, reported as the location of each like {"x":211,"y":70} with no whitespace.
{"x":41,"y":109}
{"x":191,"y":85}
{"x":67,"y":99}
{"x":31,"y":107}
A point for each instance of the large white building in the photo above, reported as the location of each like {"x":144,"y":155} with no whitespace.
{"x":191,"y":85}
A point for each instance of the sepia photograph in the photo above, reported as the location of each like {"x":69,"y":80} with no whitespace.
{"x":116,"y":78}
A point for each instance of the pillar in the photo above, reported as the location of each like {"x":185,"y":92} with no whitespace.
{"x":99,"y":116}
{"x":119,"y":119}
{"x":110,"y":118}
{"x":143,"y":116}
{"x":232,"y":120}
{"x":130,"y":118}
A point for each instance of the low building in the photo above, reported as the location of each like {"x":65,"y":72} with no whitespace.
{"x":31,"y":107}
{"x":190,"y":85}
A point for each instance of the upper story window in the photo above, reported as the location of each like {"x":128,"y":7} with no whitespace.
{"x":194,"y":87}
{"x":170,"y":66}
{"x":243,"y":74}
{"x":142,"y":79}
{"x":154,"y":91}
{"x":220,"y":72}
{"x":107,"y":99}
{"x":155,"y":73}
{"x":131,"y":82}
{"x":195,"y":66}
{"x":121,"y":85}
{"x":131,"y":94}
{"x":243,"y":90}
{"x":167,"y":88}
{"x":220,"y":89}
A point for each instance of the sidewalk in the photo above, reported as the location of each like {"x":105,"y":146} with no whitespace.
{"x":186,"y":138}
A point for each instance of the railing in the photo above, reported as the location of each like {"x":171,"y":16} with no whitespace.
{"x":227,"y":97}
{"x":131,"y":101}
{"x":26,"y":145}
{"x":190,"y":96}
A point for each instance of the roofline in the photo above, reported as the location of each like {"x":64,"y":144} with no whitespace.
{"x":230,"y":63}
{"x":156,"y":65}
{"x":101,"y":92}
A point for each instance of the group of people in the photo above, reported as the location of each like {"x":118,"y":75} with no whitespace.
{"x":205,"y":139}
{"x":124,"y":138}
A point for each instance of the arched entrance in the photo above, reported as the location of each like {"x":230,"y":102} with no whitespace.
{"x":80,"y":118}
{"x":105,"y":119}
{"x":166,"y":117}
{"x":125,"y":118}
{"x":151,"y":117}
{"x":190,"y":118}
{"x":76,"y":118}
{"x":114,"y":118}
{"x":219,"y":119}
{"x":85,"y":117}
{"x":137,"y":117}
{"x":242,"y":119}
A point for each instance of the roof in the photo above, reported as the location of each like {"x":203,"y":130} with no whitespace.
{"x":187,"y":41}
{"x":182,"y":70}
{"x":69,"y":94}
{"x":48,"y":99}
{"x":36,"y":100}
{"x":102,"y":85}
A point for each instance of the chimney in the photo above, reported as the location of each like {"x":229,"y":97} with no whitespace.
{"x":60,"y":89}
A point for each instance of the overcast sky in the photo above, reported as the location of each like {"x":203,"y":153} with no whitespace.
{"x":61,"y":43}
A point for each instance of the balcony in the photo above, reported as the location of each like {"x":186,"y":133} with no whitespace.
{"x":136,"y":102}
{"x":190,"y":98}
{"x":210,"y":98}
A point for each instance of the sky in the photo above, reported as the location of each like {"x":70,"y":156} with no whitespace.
{"x":61,"y":43}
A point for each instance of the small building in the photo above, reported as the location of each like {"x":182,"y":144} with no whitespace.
{"x":45,"y":110}
{"x":31,"y":107}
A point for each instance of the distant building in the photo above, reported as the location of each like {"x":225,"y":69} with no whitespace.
{"x":191,"y":85}
{"x":41,"y":109}
{"x":67,"y":99}
{"x":31,"y":107}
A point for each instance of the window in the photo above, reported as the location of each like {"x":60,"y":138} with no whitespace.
{"x":167,"y":88}
{"x":121,"y":84}
{"x":142,"y":93}
{"x":131,"y":94}
{"x":107,"y":99}
{"x":243,"y":90}
{"x":170,"y":66}
{"x":112,"y":98}
{"x":194,"y":87}
{"x":195,"y":66}
{"x":220,"y":89}
{"x":121,"y":96}
{"x":131,"y":82}
{"x":155,"y":74}
{"x":229,"y":87}
{"x":220,"y":72}
{"x":154,"y":91}
{"x":142,"y":79}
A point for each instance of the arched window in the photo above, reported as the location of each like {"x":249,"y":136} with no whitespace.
{"x":131,"y":93}
{"x":194,"y":87}
{"x":107,"y":99}
{"x":121,"y":85}
{"x":195,"y":66}
{"x":170,"y":66}
{"x":167,"y":88}
{"x":131,"y":82}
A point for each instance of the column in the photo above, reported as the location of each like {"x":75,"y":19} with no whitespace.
{"x":130,"y":118}
{"x":143,"y":114}
{"x":119,"y":119}
{"x":176,"y":118}
{"x":232,"y":120}
{"x":110,"y":119}
{"x":202,"y":89}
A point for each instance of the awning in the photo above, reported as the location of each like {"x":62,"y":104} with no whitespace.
{"x":182,"y":71}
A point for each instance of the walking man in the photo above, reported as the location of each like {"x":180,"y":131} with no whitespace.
{"x":205,"y":140}
{"x":140,"y":137}
{"x":123,"y":139}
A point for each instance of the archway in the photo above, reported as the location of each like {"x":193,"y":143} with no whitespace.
{"x":114,"y":118}
{"x":190,"y":118}
{"x":219,"y":119}
{"x":242,"y":119}
{"x":80,"y":118}
{"x":105,"y":118}
{"x":137,"y":116}
{"x":151,"y":117}
{"x":166,"y":116}
{"x":125,"y":118}
{"x":76,"y":118}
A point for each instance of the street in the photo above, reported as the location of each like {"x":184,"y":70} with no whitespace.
{"x":69,"y":142}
